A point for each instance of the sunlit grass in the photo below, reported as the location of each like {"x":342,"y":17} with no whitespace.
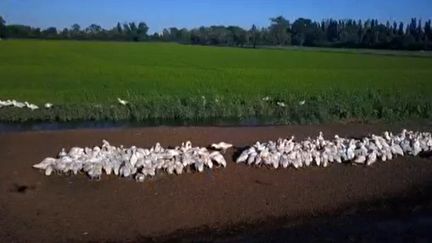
{"x":167,"y":81}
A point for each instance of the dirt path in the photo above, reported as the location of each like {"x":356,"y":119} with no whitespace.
{"x":34,"y":207}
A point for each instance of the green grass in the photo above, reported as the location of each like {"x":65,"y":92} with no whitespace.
{"x":167,"y":81}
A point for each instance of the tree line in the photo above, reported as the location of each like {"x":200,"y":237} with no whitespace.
{"x":346,"y":33}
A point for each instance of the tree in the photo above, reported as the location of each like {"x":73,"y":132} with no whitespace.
{"x":185,"y":36}
{"x":75,"y":31}
{"x":238,"y":35}
{"x":419,"y":31}
{"x":132,"y":27}
{"x":119,"y":28}
{"x":2,"y":28}
{"x":93,"y":29}
{"x":332,"y":31}
{"x":279,"y":30}
{"x":303,"y":31}
{"x":174,"y":34}
{"x":428,"y":30}
{"x":50,"y":33}
{"x":135,"y":33}
{"x":75,"y":28}
{"x":155,"y":37}
{"x":19,"y":31}
{"x":142,"y":31}
{"x":412,"y":27}
{"x":401,"y":29}
{"x":349,"y":33}
{"x":65,"y":34}
{"x":166,"y":35}
{"x":253,"y":35}
{"x":126,"y":30}
{"x":428,"y":35}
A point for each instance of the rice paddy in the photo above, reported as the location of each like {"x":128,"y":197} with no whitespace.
{"x":165,"y":81}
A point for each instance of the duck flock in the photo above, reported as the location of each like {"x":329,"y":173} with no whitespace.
{"x":140,"y":163}
{"x":19,"y":104}
{"x":322,"y":152}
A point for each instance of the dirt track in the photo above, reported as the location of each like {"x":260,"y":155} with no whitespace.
{"x":34,"y":207}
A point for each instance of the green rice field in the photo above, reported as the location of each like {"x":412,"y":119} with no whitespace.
{"x":167,"y":81}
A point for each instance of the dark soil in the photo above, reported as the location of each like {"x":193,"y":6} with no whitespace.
{"x":390,"y":201}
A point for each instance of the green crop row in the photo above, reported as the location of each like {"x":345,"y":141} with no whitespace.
{"x":165,"y":81}
{"x":326,"y":107}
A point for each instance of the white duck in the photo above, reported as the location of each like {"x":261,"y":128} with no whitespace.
{"x":122,"y":102}
{"x":221,"y":146}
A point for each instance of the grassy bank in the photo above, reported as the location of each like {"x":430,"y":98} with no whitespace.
{"x":333,"y":106}
{"x":170,"y":81}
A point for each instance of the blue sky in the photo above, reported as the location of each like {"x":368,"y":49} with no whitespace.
{"x":159,"y":14}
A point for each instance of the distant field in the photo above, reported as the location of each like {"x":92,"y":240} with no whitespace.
{"x":421,"y":53}
{"x":168,"y":81}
